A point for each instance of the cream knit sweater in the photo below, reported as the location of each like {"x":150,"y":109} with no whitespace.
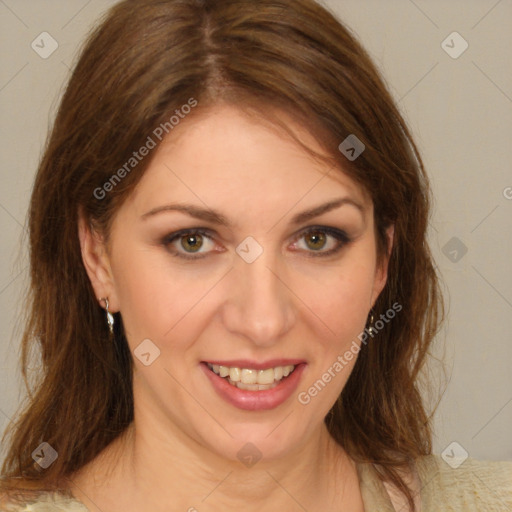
{"x":472,"y":487}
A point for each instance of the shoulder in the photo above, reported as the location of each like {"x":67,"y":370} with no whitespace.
{"x":44,"y":502}
{"x":470,"y":485}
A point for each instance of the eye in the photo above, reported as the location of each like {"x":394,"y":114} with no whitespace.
{"x":189,"y":243}
{"x":323,"y":241}
{"x":192,"y":242}
{"x":316,"y":241}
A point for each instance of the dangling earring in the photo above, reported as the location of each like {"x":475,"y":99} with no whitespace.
{"x":371,"y":330}
{"x":110,"y":318}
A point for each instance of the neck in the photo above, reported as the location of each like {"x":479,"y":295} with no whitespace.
{"x":179,"y":471}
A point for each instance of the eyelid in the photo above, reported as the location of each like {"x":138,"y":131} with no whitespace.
{"x":187,"y":231}
{"x":340,"y":235}
{"x":336,"y":232}
{"x":172,"y":237}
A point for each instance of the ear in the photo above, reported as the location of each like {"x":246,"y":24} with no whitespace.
{"x":97,"y":263}
{"x":381,"y":272}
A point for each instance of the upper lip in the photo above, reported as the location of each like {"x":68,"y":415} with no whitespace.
{"x":256,"y":365}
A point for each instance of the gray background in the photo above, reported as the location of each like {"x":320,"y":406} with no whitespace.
{"x":459,"y":110}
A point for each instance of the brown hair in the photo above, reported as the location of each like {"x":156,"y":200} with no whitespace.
{"x":146,"y":59}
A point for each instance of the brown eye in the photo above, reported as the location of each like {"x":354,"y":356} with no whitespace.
{"x":192,"y":242}
{"x":321,"y":241}
{"x":315,"y":240}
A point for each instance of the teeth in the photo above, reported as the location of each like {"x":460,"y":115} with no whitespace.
{"x":234,"y":374}
{"x":266,"y":376}
{"x":248,"y":387}
{"x":249,"y":376}
{"x":250,"y":379}
{"x":223,"y":371}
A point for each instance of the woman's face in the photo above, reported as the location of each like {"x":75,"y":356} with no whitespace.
{"x":240,"y":258}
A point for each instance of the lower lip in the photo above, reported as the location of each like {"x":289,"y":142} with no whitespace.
{"x":255,"y":400}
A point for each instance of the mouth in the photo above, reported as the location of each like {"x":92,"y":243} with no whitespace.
{"x":252,"y":379}
{"x":254,"y":386}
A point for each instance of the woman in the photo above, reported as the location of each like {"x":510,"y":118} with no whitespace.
{"x":231,"y":284}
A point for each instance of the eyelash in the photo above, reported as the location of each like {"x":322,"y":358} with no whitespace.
{"x":342,"y":238}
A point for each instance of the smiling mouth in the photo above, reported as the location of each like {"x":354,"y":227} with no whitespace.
{"x":250,"y":379}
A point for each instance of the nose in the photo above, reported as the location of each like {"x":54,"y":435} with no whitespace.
{"x":259,"y":306}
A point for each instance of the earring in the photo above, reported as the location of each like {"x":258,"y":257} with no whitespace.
{"x":371,"y":330}
{"x":110,"y":318}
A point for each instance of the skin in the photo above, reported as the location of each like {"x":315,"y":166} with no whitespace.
{"x":290,"y":302}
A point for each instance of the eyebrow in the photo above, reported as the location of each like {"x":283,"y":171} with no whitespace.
{"x":214,"y":217}
{"x":206,"y":214}
{"x":327,"y":207}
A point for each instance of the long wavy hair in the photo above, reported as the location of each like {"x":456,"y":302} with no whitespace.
{"x":146,"y":59}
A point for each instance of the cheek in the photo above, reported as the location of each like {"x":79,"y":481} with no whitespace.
{"x":337,"y":317}
{"x":338,"y":302}
{"x":163,"y":301}
{"x":159,"y":301}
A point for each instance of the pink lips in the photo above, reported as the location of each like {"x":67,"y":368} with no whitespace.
{"x":256,"y":400}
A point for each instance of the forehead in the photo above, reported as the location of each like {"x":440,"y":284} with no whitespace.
{"x":226,"y":158}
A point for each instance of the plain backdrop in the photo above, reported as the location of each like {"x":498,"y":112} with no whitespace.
{"x":458,"y":103}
